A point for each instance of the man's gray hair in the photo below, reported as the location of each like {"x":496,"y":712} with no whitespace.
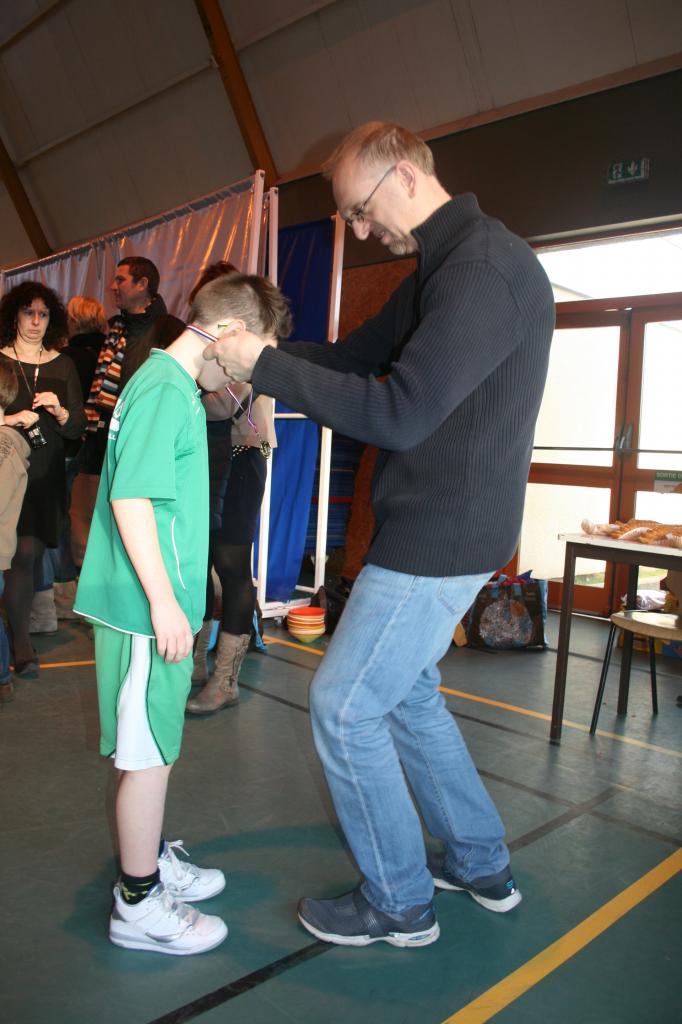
{"x":380,"y":142}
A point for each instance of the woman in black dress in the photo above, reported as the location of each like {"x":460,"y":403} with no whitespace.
{"x":48,"y":408}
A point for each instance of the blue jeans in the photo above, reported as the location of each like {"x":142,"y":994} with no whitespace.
{"x":4,"y":642}
{"x":377,"y":712}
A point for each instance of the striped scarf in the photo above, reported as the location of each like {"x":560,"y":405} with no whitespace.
{"x":106,"y":381}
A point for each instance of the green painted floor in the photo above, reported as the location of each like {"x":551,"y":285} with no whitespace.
{"x":585,"y":819}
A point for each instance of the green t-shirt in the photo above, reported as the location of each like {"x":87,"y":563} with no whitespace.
{"x":156,"y":449}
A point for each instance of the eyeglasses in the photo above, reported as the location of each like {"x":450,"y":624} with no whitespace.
{"x":357,"y":215}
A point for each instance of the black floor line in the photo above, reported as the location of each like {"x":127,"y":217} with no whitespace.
{"x":498,"y":725}
{"x":533,"y":790}
{"x":562,"y":819}
{"x":273,"y":696}
{"x":650,"y":833}
{"x":250,"y":981}
{"x":236,"y":988}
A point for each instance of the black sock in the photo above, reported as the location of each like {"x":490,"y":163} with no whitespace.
{"x":134,"y":889}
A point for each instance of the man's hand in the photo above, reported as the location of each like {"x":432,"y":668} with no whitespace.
{"x":238,"y":353}
{"x":171,"y":629}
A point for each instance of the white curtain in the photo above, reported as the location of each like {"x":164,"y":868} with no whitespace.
{"x":180,"y":242}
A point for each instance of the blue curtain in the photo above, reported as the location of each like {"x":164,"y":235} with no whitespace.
{"x":304,"y":275}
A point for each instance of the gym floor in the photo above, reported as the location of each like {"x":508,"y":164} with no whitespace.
{"x":594,"y":826}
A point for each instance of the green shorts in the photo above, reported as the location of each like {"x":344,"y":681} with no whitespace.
{"x":141,"y":700}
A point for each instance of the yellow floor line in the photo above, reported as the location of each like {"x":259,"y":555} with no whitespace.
{"x":296,"y":647}
{"x":569,"y":725}
{"x":520,"y":981}
{"x":64,"y":664}
{"x":455,"y":693}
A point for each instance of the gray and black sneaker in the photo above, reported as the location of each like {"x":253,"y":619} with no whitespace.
{"x":350,"y":920}
{"x":494,"y":892}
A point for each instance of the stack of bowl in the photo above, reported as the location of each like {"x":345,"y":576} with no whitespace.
{"x":305,"y":624}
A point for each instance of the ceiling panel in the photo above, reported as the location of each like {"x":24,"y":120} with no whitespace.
{"x":127,"y":172}
{"x":113,"y":111}
{"x":656,"y":26}
{"x":89,"y":59}
{"x":250,"y":21}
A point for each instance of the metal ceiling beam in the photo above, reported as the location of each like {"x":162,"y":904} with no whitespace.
{"x":22,"y":204}
{"x":236,"y":87}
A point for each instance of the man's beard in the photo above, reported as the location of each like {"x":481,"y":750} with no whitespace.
{"x":402,"y":246}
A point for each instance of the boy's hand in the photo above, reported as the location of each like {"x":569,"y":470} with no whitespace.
{"x":238,"y":353}
{"x":24,"y":418}
{"x":172,"y":630}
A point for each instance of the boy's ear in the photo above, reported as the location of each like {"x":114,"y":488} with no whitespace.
{"x":231,"y":329}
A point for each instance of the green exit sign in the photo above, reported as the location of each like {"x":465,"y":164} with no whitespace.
{"x":628,"y":170}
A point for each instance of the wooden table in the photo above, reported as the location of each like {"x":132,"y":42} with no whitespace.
{"x":579,"y":545}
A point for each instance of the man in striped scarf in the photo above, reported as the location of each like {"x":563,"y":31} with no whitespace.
{"x":143,"y":323}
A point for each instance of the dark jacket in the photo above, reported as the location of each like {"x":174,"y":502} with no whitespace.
{"x":155,"y":328}
{"x":465,"y":343}
{"x":83,"y":350}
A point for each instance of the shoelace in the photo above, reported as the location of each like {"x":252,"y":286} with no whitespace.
{"x":179,"y":868}
{"x":175,"y":911}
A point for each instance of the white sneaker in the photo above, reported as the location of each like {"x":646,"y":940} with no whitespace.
{"x":185,"y":881}
{"x":160,"y":924}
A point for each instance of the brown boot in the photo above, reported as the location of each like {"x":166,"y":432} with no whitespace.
{"x":221,"y":691}
{"x":200,"y":669}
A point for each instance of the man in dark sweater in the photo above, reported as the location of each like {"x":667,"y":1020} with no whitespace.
{"x":447,"y":381}
{"x":144,"y":320}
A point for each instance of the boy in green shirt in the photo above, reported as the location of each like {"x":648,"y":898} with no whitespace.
{"x":143,"y":584}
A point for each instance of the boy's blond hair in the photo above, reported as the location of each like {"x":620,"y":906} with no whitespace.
{"x":262,"y":307}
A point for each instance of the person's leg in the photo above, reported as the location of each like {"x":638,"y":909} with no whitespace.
{"x":141,"y":702}
{"x":230,"y":552}
{"x":6,"y":684}
{"x":140,"y":804}
{"x":394,"y":628}
{"x":146,"y":915}
{"x":203,"y":637}
{"x":43,"y":617}
{"x":19,"y":587}
{"x":233,"y":566}
{"x":451,"y":797}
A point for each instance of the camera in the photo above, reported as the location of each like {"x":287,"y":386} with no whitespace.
{"x":35,"y":436}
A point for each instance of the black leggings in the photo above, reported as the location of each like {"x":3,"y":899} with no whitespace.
{"x":230,"y":544}
{"x":21,"y":579}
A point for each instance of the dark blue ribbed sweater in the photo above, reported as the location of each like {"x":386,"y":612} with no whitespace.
{"x":464,"y":343}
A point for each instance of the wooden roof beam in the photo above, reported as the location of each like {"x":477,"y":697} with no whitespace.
{"x":22,"y":204}
{"x":236,"y":87}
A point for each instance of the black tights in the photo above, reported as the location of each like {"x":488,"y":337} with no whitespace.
{"x":21,"y":579}
{"x":232,"y":563}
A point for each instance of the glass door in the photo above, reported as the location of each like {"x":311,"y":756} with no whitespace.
{"x":652,"y":464}
{"x":608,"y":442}
{"x":575,"y":472}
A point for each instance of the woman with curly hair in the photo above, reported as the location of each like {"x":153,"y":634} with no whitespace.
{"x":48,"y":408}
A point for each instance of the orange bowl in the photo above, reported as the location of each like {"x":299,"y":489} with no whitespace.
{"x":306,"y":624}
